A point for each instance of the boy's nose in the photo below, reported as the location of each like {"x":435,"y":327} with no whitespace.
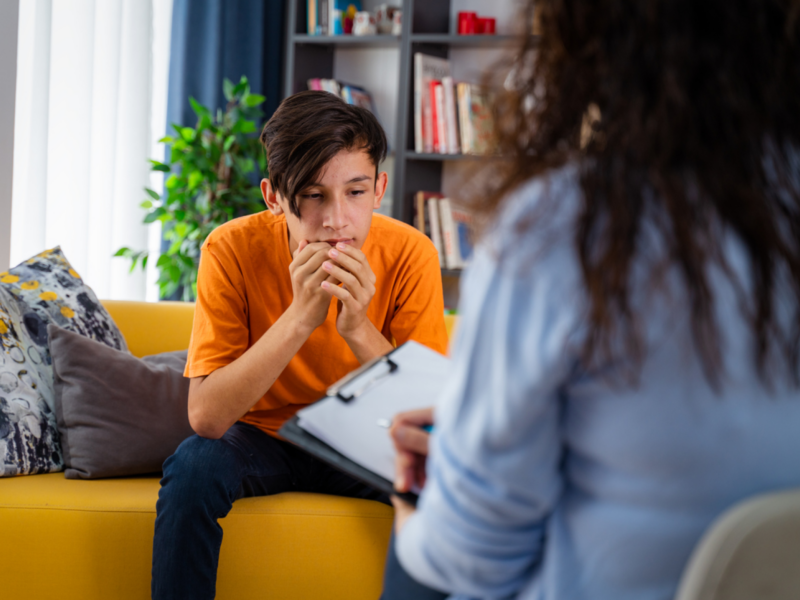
{"x":335,"y":216}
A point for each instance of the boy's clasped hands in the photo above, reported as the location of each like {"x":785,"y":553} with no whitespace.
{"x":317,"y":270}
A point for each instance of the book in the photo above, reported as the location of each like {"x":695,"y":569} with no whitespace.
{"x":432,"y":204}
{"x":481,"y":126}
{"x":450,"y":113}
{"x":424,"y":204}
{"x":426,"y":69}
{"x":456,"y":234}
{"x":311,"y":11}
{"x":462,"y":91}
{"x":464,"y":225}
{"x":452,"y":256}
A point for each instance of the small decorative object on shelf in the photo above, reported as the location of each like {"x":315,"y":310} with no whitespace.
{"x":345,"y":17}
{"x":469,"y":23}
{"x":364,"y":24}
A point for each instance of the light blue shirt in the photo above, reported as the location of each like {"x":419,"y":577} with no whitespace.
{"x":545,"y":482}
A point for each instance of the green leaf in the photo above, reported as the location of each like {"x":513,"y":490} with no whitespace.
{"x":227,"y":89}
{"x":144,"y":262}
{"x":247,"y":127}
{"x":166,"y":139}
{"x":156,"y":214}
{"x":147,"y":204}
{"x":186,"y":261}
{"x":124,"y":251}
{"x":188,"y":134}
{"x":159,"y":166}
{"x":253,"y":100}
{"x":195,"y":178}
{"x":172,"y":182}
{"x":198,"y":108}
{"x":152,"y":194}
{"x":174,"y":273}
{"x":163,"y":261}
{"x":180,"y":215}
{"x":229,"y":141}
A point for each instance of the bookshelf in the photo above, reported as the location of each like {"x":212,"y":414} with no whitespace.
{"x":383,"y":64}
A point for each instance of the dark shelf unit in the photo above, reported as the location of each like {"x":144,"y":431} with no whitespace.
{"x":426,"y":25}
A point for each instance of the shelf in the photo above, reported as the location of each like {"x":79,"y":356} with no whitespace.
{"x":444,"y":157}
{"x":343,"y":41}
{"x":463,"y":41}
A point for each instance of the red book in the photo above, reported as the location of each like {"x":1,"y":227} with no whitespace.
{"x":435,"y":116}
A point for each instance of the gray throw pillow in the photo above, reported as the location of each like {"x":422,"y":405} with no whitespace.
{"x":117,"y":414}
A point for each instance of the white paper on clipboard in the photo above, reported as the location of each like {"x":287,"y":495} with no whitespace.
{"x":353,"y":428}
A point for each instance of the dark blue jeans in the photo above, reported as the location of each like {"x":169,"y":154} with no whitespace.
{"x":201,"y":481}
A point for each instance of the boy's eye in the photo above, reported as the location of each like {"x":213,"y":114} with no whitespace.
{"x":312,"y":196}
{"x":357,"y":192}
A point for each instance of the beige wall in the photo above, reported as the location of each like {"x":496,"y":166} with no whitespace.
{"x":9,"y":19}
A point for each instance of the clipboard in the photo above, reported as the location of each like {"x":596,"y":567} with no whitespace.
{"x":292,"y":432}
{"x":346,"y":428}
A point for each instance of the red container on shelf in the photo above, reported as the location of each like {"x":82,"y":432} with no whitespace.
{"x":467,"y":22}
{"x":486,"y":25}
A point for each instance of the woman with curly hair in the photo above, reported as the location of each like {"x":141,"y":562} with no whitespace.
{"x":628,"y":359}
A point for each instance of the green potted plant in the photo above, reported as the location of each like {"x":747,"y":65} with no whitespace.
{"x":212,"y":179}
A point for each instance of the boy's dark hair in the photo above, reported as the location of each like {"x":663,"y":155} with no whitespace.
{"x":307,"y":131}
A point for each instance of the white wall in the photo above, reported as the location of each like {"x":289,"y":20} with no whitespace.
{"x":9,"y":19}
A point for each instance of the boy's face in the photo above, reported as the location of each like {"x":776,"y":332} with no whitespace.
{"x":338,"y":206}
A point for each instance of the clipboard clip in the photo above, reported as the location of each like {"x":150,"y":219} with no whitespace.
{"x":385,"y":365}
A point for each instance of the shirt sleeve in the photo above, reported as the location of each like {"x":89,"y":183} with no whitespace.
{"x":419,"y":308}
{"x":220,"y":332}
{"x":494,"y":468}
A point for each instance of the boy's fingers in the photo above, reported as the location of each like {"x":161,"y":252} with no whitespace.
{"x":304,"y":253}
{"x":340,"y":292}
{"x":306,"y":267}
{"x":355,"y":261}
{"x":351,"y":281}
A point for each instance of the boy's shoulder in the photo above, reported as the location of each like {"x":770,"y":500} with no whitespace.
{"x":245,"y":234}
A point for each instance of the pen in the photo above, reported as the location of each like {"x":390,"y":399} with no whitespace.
{"x":386,"y":423}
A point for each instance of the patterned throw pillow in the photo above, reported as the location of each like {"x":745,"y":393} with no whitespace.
{"x":42,"y":290}
{"x":28,"y":436}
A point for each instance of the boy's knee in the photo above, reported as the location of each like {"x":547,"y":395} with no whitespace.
{"x":198,"y":465}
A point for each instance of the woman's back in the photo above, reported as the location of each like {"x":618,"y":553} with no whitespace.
{"x":576,"y":485}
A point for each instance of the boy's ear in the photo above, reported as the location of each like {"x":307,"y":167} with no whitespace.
{"x":380,"y":189}
{"x":270,"y":197}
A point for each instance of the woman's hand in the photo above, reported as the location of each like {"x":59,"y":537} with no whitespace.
{"x":402,"y":511}
{"x":411,"y":442}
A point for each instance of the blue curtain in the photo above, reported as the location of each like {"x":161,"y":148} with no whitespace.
{"x":217,"y":39}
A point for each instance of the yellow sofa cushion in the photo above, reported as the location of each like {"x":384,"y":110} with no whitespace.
{"x":76,"y":539}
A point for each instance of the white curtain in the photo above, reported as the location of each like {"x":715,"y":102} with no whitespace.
{"x":86,"y":120}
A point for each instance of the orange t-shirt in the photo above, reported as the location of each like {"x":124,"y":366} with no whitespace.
{"x":244,"y":286}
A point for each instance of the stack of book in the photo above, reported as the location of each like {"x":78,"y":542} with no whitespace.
{"x":449,"y":117}
{"x":352,"y":94}
{"x":448,"y":226}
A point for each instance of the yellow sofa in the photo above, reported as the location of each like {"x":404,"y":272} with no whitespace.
{"x":81,"y":540}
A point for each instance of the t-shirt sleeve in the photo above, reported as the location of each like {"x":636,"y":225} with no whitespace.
{"x":419,"y":308}
{"x":220,"y":332}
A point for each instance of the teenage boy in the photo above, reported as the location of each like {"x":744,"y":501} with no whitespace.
{"x":288,"y":301}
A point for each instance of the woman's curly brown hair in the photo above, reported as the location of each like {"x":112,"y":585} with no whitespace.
{"x":690,"y":113}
